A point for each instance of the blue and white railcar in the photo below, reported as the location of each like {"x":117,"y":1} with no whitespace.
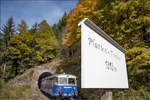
{"x":60,"y":85}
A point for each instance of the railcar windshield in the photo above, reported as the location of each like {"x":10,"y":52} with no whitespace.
{"x":71,"y":81}
{"x":62,"y":80}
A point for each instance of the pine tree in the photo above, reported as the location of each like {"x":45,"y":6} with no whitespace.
{"x":34,"y":28}
{"x":60,"y":30}
{"x":7,"y":33}
{"x":22,"y":28}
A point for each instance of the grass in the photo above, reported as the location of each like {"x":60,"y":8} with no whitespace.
{"x":13,"y":93}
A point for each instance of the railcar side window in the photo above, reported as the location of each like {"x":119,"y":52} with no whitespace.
{"x":56,"y":80}
{"x":71,"y":81}
{"x":62,"y":80}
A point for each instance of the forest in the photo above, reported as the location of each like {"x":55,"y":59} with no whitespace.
{"x":126,"y":21}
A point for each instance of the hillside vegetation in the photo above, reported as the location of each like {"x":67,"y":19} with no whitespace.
{"x":25,"y":86}
{"x":126,"y":21}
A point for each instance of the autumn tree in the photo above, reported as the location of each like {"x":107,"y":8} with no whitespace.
{"x":82,"y":10}
{"x":22,"y":27}
{"x":127,"y":22}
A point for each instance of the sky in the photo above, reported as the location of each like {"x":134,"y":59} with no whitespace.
{"x":34,"y":10}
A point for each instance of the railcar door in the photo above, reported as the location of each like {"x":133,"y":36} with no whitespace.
{"x":51,"y":86}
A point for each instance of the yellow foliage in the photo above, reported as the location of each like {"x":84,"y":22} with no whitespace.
{"x":122,"y":27}
{"x":81,"y":11}
{"x":148,"y":30}
{"x":128,"y":31}
{"x":138,"y":56}
{"x":78,"y":36}
{"x":146,"y":18}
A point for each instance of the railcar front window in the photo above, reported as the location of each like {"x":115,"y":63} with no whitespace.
{"x":63,"y":81}
{"x":71,"y":81}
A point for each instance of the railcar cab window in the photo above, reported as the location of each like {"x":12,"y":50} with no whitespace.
{"x":71,"y":81}
{"x":62,"y":80}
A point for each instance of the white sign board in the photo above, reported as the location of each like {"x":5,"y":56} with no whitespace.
{"x":103,"y":65}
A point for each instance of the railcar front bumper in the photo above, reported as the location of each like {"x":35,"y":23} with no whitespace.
{"x":66,"y":95}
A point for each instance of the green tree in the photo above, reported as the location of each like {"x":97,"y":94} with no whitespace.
{"x":22,"y":52}
{"x":47,"y":45}
{"x":138,"y":63}
{"x":60,"y":30}
{"x":34,"y":28}
{"x":7,"y":33}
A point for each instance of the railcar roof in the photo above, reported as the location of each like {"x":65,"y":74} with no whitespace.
{"x":65,"y":75}
{"x":62,"y":75}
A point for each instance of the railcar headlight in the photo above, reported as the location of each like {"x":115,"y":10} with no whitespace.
{"x":72,"y":93}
